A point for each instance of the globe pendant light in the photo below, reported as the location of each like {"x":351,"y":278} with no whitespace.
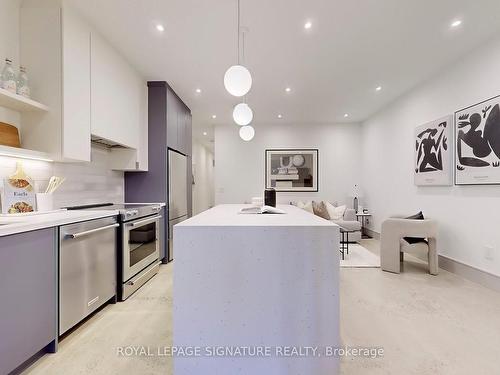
{"x":238,"y":80}
{"x":242,"y":114}
{"x":247,"y":133}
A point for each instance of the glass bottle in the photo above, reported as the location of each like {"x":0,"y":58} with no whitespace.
{"x":22,"y":83}
{"x":9,"y":77}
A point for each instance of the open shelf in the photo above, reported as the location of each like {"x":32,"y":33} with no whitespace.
{"x":24,"y":153}
{"x":20,"y":103}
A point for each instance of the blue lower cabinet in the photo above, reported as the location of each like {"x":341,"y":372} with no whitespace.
{"x":27,"y":296}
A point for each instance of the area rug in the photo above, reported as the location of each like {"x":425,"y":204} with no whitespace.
{"x":359,"y":257}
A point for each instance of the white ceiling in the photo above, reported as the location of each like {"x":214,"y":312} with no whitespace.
{"x":333,"y":68}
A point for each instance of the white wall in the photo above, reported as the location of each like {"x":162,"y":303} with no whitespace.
{"x":240,"y":168}
{"x":468,"y":215}
{"x":203,"y":172}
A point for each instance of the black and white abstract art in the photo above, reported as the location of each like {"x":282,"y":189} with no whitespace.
{"x":477,"y":137}
{"x":292,"y":169}
{"x":433,"y":153}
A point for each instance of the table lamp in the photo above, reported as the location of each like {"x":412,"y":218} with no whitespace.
{"x":356,"y":193}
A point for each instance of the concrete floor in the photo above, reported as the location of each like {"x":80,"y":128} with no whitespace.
{"x":144,"y":320}
{"x":426,"y":324}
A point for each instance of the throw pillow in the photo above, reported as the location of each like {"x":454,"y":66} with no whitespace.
{"x":335,"y":213}
{"x":306,"y":206}
{"x":413,"y":240}
{"x":320,"y":210}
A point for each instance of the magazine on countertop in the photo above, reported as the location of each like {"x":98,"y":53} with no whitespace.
{"x":261,"y":210}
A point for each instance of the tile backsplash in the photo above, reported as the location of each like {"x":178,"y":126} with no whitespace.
{"x":86,"y":183}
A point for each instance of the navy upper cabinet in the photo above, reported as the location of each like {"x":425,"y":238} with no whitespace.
{"x":28,"y":296}
{"x":172,"y":120}
{"x":189,"y":133}
{"x":181,"y":129}
{"x":178,"y":124}
{"x":169,"y":127}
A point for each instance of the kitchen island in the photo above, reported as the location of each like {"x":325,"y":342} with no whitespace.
{"x":256,"y":294}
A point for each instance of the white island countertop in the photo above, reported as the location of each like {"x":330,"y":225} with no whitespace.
{"x":228,"y":215}
{"x":19,"y":224}
{"x":262,"y":281}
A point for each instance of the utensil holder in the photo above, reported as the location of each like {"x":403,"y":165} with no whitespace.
{"x":44,"y":202}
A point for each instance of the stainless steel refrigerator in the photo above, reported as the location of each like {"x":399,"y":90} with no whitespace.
{"x":177,"y":194}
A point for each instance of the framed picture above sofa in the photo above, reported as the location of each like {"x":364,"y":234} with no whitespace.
{"x":433,"y":155}
{"x":477,"y":144}
{"x":293,"y":170}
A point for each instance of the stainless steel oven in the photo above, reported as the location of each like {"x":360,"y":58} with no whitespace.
{"x":141,"y":245}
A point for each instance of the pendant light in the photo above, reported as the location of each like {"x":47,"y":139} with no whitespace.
{"x":238,"y":80}
{"x":242,"y":114}
{"x":247,"y":133}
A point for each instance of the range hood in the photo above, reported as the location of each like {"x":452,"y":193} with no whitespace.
{"x":105,"y":143}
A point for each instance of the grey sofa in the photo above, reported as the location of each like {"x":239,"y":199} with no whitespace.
{"x":350,"y":222}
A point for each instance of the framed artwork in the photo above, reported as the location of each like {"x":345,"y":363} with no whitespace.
{"x":292,"y":170}
{"x":477,"y":144}
{"x":433,"y":156}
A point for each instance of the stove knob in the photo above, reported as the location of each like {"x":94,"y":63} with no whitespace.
{"x":131,"y":213}
{"x":156,"y":208}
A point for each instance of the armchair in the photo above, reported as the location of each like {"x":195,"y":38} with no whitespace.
{"x":393,"y":245}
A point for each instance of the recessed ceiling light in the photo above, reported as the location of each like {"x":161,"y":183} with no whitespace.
{"x":378,"y":88}
{"x":160,"y":27}
{"x":280,"y":116}
{"x":346,"y":114}
{"x":204,"y":133}
{"x":308,"y":25}
{"x":288,"y":89}
{"x":456,"y":23}
{"x":198,"y":91}
{"x":214,"y":116}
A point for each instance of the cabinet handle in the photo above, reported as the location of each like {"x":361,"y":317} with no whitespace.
{"x":87,"y":232}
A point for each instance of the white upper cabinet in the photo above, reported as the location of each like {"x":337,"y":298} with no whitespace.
{"x":117,"y":95}
{"x":55,"y":47}
{"x":76,"y":86}
{"x":89,"y":88}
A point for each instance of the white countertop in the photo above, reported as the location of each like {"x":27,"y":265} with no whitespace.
{"x":228,"y":215}
{"x":17,"y":224}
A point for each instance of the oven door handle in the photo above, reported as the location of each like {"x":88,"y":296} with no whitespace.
{"x":139,"y":278}
{"x":146,"y":221}
{"x":87,"y":232}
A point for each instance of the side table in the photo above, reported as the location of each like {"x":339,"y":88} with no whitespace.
{"x":363,"y":217}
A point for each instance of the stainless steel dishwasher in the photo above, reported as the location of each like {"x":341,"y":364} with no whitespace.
{"x":87,"y":269}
